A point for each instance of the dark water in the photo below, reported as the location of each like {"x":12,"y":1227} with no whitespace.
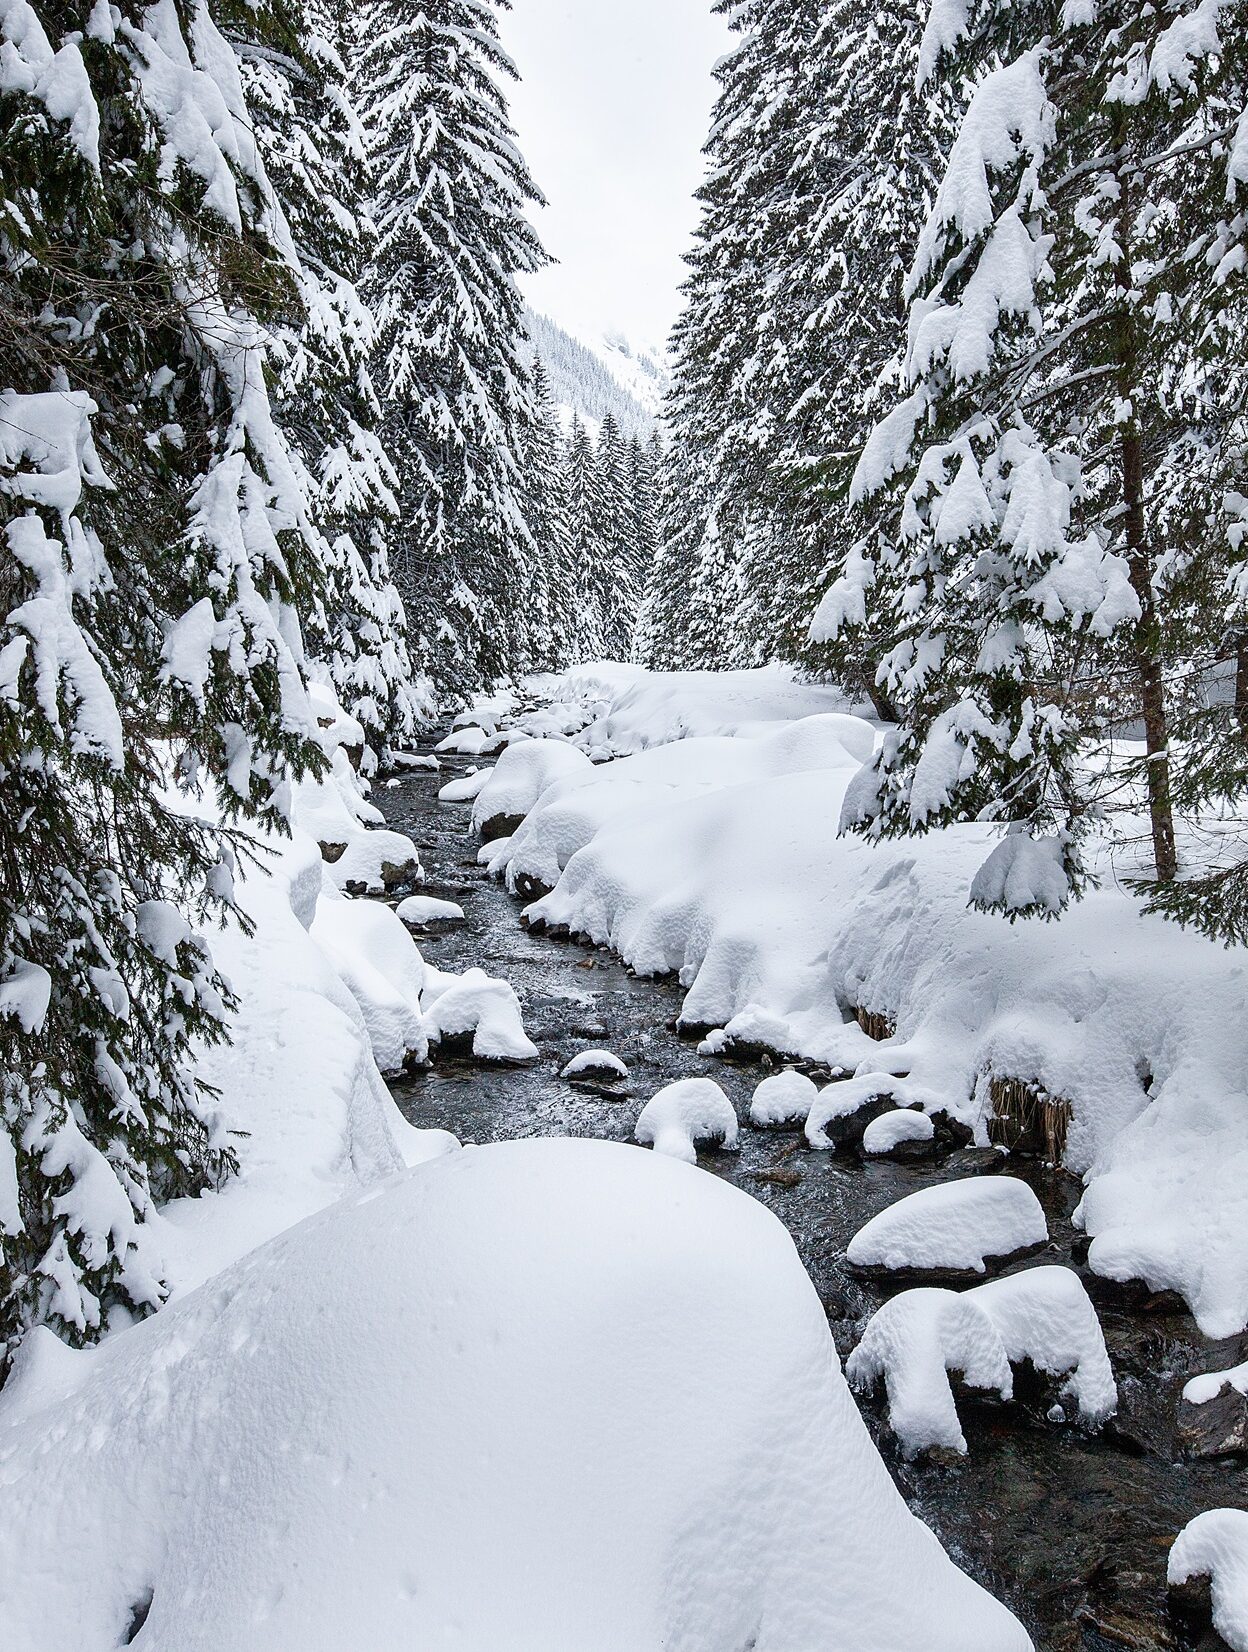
{"x":1071,"y":1530}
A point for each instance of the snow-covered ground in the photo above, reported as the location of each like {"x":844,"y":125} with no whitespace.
{"x":548,"y":1394}
{"x":712,"y":852}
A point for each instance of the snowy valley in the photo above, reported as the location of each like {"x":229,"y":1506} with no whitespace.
{"x":623,"y":993}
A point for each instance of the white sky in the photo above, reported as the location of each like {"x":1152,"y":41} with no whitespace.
{"x":612,"y":114}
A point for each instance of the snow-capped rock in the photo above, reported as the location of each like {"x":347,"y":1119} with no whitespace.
{"x":685,"y":1113}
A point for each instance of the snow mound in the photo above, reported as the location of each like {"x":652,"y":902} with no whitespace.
{"x":1044,"y":1315}
{"x":681,"y":1114}
{"x":412,"y":760}
{"x":893,"y":1130}
{"x":465,"y":788}
{"x":519,"y":778}
{"x":1200,"y":1390}
{"x":476,"y":1003}
{"x":347,"y":1440}
{"x":918,"y":1338}
{"x":418,"y":910}
{"x":953,"y":1227}
{"x":595,"y":1061}
{"x":383,"y":970}
{"x":573,"y":810}
{"x":1215,"y":1545}
{"x":468,"y":742}
{"x":783,"y":1098}
{"x":361,"y":852}
{"x":912,"y":1343}
{"x":658,"y":707}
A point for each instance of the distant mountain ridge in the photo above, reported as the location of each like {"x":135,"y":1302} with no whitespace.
{"x":591,"y":381}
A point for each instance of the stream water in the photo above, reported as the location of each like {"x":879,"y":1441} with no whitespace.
{"x":1071,"y":1529}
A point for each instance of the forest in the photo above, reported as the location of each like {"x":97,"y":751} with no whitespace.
{"x":874,"y":715}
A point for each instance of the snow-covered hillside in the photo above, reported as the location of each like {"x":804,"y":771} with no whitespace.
{"x":594,"y":377}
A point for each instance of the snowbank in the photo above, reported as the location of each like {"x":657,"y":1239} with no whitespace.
{"x":299,"y":1085}
{"x":572,"y":811}
{"x":656,"y":707}
{"x":1215,"y":1546}
{"x":373,"y":953}
{"x":780,"y":931}
{"x":954,"y":1227}
{"x":536,"y":1395}
{"x":685,"y":1113}
{"x":519,"y":778}
{"x":783,"y":1098}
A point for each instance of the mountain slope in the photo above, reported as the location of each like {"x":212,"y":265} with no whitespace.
{"x":592,"y":381}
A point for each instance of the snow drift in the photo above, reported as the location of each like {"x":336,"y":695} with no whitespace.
{"x":539,"y":1394}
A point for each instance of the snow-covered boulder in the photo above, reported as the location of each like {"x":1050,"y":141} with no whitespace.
{"x":419,"y":911}
{"x":1213,"y":1414}
{"x":595,"y":1064}
{"x":518,"y":779}
{"x":685,"y":1113}
{"x":383,"y":970}
{"x":904,"y":1129}
{"x":1042,"y":1316}
{"x":471,"y":1407}
{"x":783,"y":1098}
{"x":912,"y":1343}
{"x":476,"y":1004}
{"x":465,"y":788}
{"x":954,"y":1230}
{"x":469,"y":741}
{"x":1214,"y":1546}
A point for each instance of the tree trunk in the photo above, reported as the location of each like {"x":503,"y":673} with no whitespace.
{"x":1146,"y":641}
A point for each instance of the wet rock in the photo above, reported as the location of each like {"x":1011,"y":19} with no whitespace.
{"x":500,"y":826}
{"x":848,"y":1129}
{"x":1128,"y":1624}
{"x":1218,"y":1428}
{"x":777,"y":1176}
{"x":977,"y":1161}
{"x":332,"y":853}
{"x":1191,"y":1609}
{"x":604,"y":1092}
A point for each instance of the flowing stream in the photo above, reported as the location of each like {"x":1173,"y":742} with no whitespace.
{"x":1071,"y":1529}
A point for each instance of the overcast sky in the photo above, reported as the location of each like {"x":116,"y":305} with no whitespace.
{"x":612,"y":114}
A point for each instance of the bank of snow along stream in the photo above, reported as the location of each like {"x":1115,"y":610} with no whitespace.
{"x":651,"y":863}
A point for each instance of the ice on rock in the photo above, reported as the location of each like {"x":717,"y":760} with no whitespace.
{"x":595,"y":1061}
{"x":259,"y":1439}
{"x":912,"y":1343}
{"x":476,"y":1003}
{"x":895,"y":1129}
{"x":518,"y":779}
{"x":419,"y":910}
{"x":1044,"y":1315}
{"x":783,"y":1098}
{"x":1215,"y":1546}
{"x":684,"y":1113}
{"x":954,"y":1228}
{"x":465,"y":788}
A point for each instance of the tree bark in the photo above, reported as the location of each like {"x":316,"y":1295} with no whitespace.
{"x":1146,"y":641}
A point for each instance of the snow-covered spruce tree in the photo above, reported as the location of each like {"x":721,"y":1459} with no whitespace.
{"x":554,"y":598}
{"x":1030,"y":455}
{"x":451,"y":362}
{"x":154,"y":550}
{"x":587,"y":512}
{"x":312,"y":142}
{"x":616,"y":566}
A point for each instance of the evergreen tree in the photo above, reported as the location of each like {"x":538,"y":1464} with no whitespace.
{"x":616,"y":555}
{"x":313,"y":145}
{"x":450,"y":195}
{"x":1051,"y":427}
{"x":552,"y":597}
{"x":587,"y":508}
{"x":157,"y":549}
